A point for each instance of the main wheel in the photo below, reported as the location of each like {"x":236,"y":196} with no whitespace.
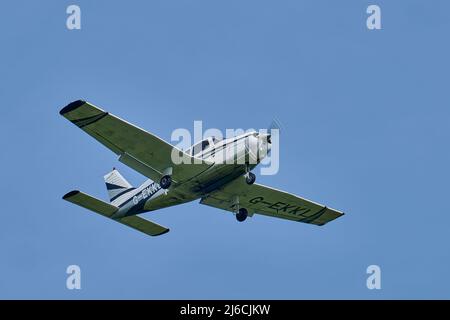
{"x":242,"y":214}
{"x":165,"y":182}
{"x":250,"y":178}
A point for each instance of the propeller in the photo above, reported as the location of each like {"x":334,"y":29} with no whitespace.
{"x":268,"y":136}
{"x":274,"y":128}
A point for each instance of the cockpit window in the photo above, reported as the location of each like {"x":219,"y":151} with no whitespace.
{"x":199,"y":147}
{"x":215,"y":139}
{"x":196,"y":149}
{"x":205,"y":144}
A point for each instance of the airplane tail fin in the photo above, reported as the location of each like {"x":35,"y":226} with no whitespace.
{"x":117,"y":185}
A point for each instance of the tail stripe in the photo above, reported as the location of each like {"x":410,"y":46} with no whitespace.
{"x":110,"y":186}
{"x":121,"y":194}
{"x":117,"y":185}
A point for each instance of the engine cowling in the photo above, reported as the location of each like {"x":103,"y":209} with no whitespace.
{"x":258,"y":146}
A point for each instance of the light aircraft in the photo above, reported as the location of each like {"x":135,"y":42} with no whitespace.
{"x":227,"y":185}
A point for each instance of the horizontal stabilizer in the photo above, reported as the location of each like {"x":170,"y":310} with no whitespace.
{"x":143,"y":225}
{"x":86,"y":201}
{"x":105,"y":209}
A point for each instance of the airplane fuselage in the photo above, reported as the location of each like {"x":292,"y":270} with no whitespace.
{"x":226,"y":166}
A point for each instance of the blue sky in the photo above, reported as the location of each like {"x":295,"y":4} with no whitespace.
{"x":366,"y":128}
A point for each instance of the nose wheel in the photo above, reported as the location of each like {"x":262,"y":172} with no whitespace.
{"x":242,"y":214}
{"x":250,"y":178}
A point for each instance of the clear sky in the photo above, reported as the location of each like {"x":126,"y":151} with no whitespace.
{"x":365,"y":119}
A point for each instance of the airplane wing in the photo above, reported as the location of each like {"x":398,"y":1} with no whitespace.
{"x":257,"y":198}
{"x":137,"y":148}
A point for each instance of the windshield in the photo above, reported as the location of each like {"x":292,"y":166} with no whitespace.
{"x":199,"y":147}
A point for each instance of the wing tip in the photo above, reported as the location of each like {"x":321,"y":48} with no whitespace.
{"x":340,"y":214}
{"x":161,"y":233}
{"x":71,"y":106}
{"x":70,"y":194}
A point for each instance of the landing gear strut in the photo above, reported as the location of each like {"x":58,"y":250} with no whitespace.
{"x":165,"y":182}
{"x":242,"y":214}
{"x":250,"y":177}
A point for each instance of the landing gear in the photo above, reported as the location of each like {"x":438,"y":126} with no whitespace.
{"x":165,"y":182}
{"x":242,"y":214}
{"x":250,"y":178}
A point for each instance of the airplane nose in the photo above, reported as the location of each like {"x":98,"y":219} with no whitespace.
{"x":258,"y":146}
{"x":264,"y":145}
{"x":265,"y":138}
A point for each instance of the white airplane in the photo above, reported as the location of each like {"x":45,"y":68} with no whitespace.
{"x":227,"y":185}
